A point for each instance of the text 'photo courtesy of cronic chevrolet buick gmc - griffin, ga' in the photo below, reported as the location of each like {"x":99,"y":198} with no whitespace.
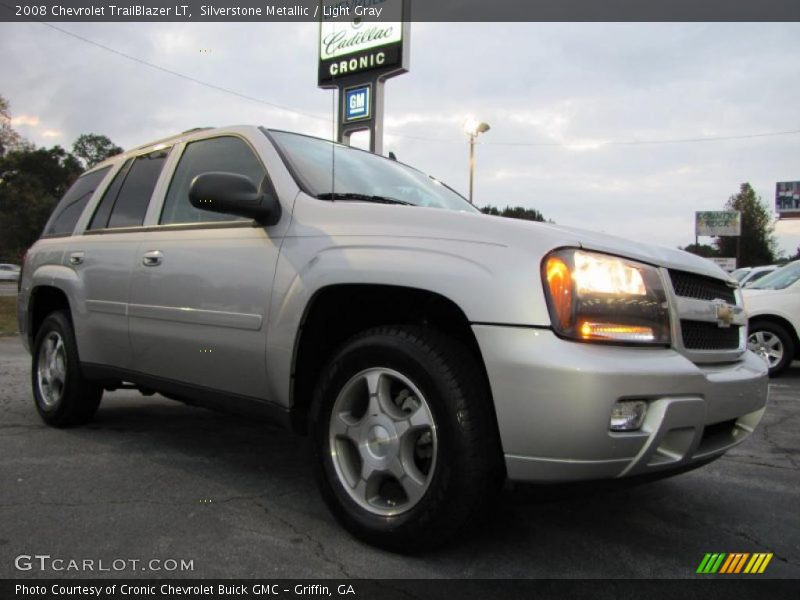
{"x":428,"y":351}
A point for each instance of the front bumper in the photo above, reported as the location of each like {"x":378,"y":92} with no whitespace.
{"x":553,"y":399}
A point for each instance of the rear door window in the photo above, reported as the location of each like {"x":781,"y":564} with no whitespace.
{"x":128,"y":197}
{"x":69,"y":209}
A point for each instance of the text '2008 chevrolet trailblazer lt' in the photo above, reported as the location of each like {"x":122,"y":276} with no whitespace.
{"x":428,"y":351}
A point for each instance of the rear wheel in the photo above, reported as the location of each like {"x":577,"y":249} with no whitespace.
{"x":773,"y":343}
{"x":63,"y":397}
{"x":405,"y":439}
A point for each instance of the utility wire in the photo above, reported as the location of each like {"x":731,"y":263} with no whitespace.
{"x":613,"y":142}
{"x":412,"y":137}
{"x":183,"y":76}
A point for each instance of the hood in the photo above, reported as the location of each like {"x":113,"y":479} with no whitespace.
{"x":663,"y":256}
{"x":517,"y":231}
{"x":361,"y":218}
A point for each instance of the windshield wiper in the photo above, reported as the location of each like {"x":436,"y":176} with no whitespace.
{"x":362,"y":197}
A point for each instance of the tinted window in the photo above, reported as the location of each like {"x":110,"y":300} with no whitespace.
{"x":134,"y":195}
{"x":323,"y":167}
{"x":69,"y":209}
{"x":100,"y":218}
{"x":780,"y":279}
{"x":228,"y":154}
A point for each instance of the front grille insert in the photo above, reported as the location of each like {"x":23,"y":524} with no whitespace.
{"x":690,"y":285}
{"x":700,"y":335}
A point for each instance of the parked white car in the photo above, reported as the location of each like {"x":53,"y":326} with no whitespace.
{"x":773,"y":305}
{"x":9,"y":272}
{"x":740,"y":273}
{"x":756,"y":273}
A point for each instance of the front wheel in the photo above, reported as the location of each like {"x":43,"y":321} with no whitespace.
{"x":404,"y":437}
{"x":773,"y":343}
{"x":63,"y":397}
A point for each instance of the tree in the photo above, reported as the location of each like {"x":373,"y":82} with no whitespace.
{"x":9,"y":139}
{"x":31,"y":183}
{"x":704,"y":250}
{"x":93,"y":148}
{"x":517,"y":212}
{"x":757,"y":242}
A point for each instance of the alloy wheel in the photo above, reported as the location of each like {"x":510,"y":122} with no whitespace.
{"x":768,"y":346}
{"x":383,"y":441}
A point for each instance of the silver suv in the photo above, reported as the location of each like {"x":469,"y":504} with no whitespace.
{"x":429,"y":351}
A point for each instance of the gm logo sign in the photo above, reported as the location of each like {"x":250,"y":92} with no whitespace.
{"x":356,"y":103}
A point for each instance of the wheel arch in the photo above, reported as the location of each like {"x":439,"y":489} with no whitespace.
{"x":337,"y":312}
{"x":777,"y":320}
{"x":43,"y":300}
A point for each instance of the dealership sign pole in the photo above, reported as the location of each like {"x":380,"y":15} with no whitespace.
{"x":361,"y":45}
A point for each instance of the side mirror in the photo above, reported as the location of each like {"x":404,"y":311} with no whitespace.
{"x":234,"y":194}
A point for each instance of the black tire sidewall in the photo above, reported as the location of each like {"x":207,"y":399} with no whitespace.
{"x":79,"y":399}
{"x":450,"y":471}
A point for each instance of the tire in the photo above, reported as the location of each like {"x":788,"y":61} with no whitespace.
{"x":405,"y":468}
{"x":773,"y":343}
{"x":61,"y":394}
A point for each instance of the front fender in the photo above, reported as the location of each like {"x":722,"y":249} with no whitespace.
{"x":484,"y":280}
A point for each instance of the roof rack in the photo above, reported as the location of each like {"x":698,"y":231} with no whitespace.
{"x":169,"y":138}
{"x":193,"y":129}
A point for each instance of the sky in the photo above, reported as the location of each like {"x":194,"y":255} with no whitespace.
{"x":560,"y":99}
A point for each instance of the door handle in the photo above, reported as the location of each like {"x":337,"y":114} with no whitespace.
{"x":152,"y":258}
{"x":76,"y":258}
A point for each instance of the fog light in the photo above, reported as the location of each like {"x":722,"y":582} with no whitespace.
{"x":627,"y":415}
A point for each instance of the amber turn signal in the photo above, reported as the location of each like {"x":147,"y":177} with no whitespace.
{"x":559,"y":279}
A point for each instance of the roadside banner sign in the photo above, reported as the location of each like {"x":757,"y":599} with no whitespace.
{"x":718,"y":223}
{"x":726,"y":264}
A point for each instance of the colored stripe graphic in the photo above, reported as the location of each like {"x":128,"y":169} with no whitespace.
{"x":758,"y":563}
{"x":734,"y":563}
{"x":711,"y":563}
{"x":731,"y":560}
{"x":742,"y":560}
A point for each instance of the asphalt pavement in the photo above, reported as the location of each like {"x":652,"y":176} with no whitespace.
{"x":154,"y":479}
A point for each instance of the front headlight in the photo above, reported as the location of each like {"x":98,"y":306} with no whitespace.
{"x":602,"y":298}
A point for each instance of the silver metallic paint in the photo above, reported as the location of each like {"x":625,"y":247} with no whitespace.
{"x":242,"y":293}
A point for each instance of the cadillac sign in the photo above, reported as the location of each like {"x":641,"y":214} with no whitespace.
{"x":361,"y":38}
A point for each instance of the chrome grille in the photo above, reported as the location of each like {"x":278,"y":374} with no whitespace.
{"x":702,"y":305}
{"x":690,"y":285}
{"x":702,"y":335}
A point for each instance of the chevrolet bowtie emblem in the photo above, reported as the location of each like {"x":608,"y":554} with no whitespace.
{"x":724,"y":315}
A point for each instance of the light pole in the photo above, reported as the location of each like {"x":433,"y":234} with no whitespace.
{"x":473,"y":129}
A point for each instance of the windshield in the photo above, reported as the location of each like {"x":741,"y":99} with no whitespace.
{"x":778,"y":279}
{"x":739,"y":274}
{"x":332,"y":171}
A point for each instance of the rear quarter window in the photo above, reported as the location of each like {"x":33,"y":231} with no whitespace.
{"x":70,"y":207}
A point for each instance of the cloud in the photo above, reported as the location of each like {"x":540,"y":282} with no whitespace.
{"x":579,"y":86}
{"x":24,"y":121}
